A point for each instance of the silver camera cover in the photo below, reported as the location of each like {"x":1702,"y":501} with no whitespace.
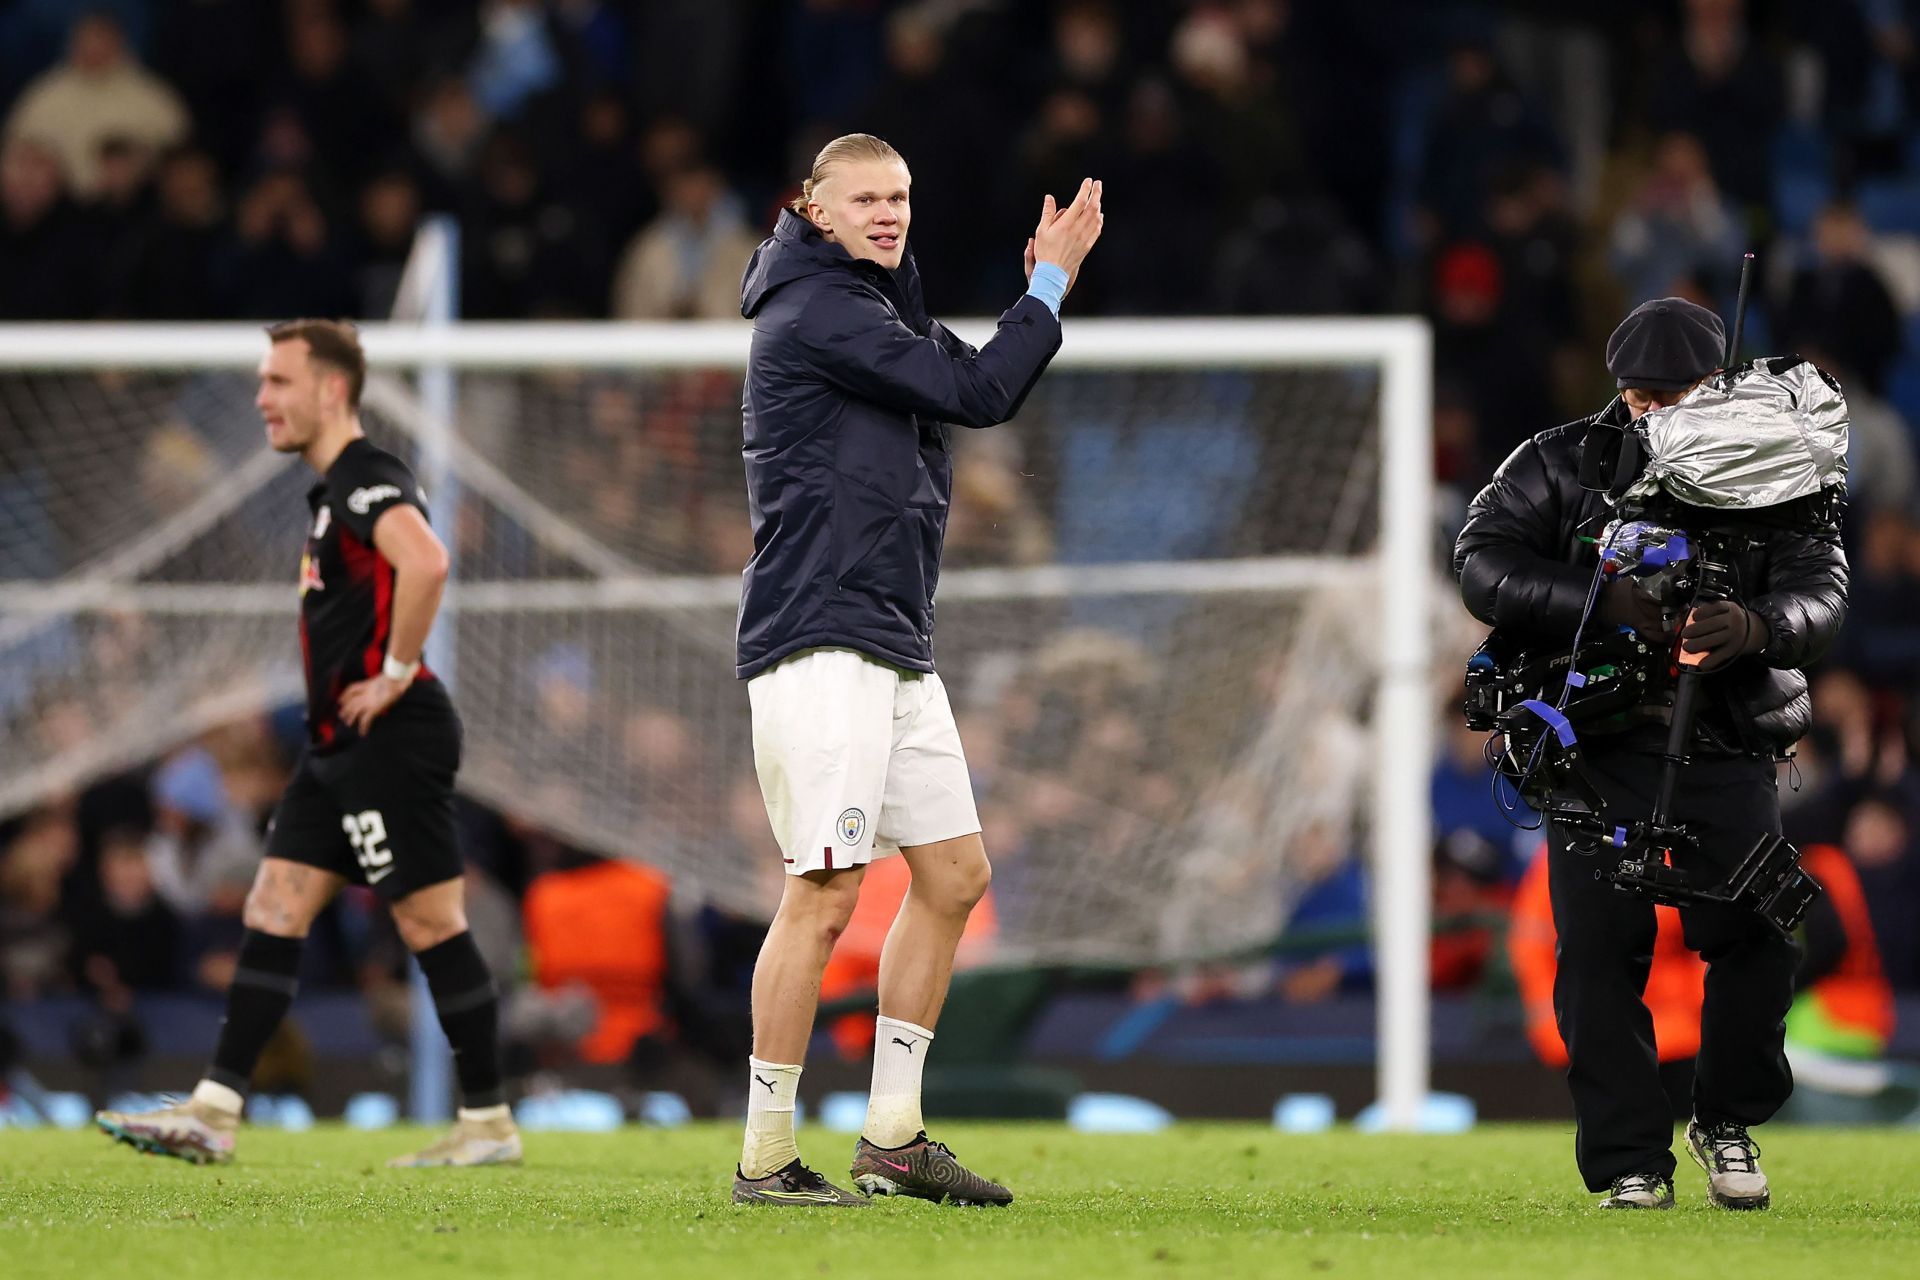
{"x":1763,"y":436}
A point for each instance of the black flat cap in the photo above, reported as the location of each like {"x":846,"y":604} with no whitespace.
{"x":1666,"y":345}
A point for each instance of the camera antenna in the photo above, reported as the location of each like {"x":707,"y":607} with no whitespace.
{"x":1739,"y":311}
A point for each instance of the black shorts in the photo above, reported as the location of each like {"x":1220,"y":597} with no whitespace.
{"x":379,"y":812}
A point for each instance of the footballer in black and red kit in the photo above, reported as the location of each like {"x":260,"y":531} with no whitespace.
{"x":377,"y":807}
{"x":371,"y":800}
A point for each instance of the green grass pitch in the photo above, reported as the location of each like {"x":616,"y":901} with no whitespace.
{"x":1197,"y":1200}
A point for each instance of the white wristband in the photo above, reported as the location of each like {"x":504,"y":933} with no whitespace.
{"x":398,"y":671}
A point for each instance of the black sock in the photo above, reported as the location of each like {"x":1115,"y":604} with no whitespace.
{"x":469,"y":1014}
{"x":264,"y":979}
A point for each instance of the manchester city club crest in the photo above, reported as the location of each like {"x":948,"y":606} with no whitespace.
{"x":853,"y":825}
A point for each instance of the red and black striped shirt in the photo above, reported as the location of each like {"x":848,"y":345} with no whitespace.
{"x":346,"y":586}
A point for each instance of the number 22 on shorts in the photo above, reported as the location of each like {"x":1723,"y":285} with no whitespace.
{"x":368,"y":832}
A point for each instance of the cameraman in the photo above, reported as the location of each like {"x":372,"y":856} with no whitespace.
{"x":1525,"y":561}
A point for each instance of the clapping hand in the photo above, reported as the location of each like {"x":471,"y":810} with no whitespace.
{"x":1065,"y":236}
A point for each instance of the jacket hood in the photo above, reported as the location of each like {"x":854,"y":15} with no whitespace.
{"x":796,"y":251}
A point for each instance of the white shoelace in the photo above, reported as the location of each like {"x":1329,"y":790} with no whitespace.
{"x":1733,"y":1154}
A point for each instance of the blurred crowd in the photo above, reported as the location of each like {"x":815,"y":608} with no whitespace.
{"x":1519,"y":173}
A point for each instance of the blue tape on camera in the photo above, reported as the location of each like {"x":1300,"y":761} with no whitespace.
{"x":1619,"y":837}
{"x":1561,"y":726}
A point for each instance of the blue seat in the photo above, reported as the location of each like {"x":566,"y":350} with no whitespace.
{"x":1891,"y":204}
{"x":1800,"y":149}
{"x":1903,"y":387}
{"x":1797,"y":196}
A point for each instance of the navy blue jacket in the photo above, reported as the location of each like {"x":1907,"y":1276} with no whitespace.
{"x":850,"y":386}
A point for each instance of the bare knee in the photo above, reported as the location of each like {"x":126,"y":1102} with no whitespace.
{"x":954,"y":888}
{"x":972,"y":882}
{"x":285,"y":898}
{"x":425,"y":922}
{"x":821,"y":906}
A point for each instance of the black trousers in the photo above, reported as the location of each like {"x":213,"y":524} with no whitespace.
{"x":1606,"y":953}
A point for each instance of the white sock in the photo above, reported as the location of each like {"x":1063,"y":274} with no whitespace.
{"x":211,"y":1093}
{"x":893,"y":1107}
{"x":770,"y":1144}
{"x":486,"y":1115}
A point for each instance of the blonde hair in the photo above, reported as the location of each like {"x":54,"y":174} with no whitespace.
{"x":852,"y":148}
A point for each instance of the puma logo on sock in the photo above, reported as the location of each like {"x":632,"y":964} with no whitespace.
{"x":907,"y":1043}
{"x":768,"y":1083}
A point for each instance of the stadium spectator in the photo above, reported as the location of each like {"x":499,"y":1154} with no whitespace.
{"x":1844,"y":1009}
{"x":389,"y":215}
{"x":126,"y":938}
{"x":1463,"y":814}
{"x":1330,"y":916}
{"x":1175,"y":193}
{"x":387,"y":49}
{"x":1241,"y":122}
{"x":37,"y":852}
{"x":284,"y":260}
{"x":203,"y":850}
{"x":686,"y":263}
{"x":1716,"y":81}
{"x":349,"y":127}
{"x":46,"y":270}
{"x":1295,"y":255}
{"x":122,"y":205}
{"x":168,"y":270}
{"x":1482,"y":127}
{"x":1841,"y":307}
{"x":99,"y":92}
{"x":602,"y":924}
{"x":1880,"y":841}
{"x":689,"y":63}
{"x":1678,"y":229}
{"x":606,"y":170}
{"x":515,"y":60}
{"x":528,"y":253}
{"x":1475,"y":334}
{"x":1884,"y":646}
{"x":448,"y":132}
{"x":995,"y":520}
{"x":1676,"y":982}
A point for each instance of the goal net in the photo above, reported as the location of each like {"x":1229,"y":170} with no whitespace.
{"x":1183,"y":630}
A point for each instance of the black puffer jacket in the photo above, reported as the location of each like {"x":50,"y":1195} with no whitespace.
{"x":1524,"y":568}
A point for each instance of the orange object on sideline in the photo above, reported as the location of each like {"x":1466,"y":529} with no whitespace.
{"x":855,"y":965}
{"x":1675,"y":988}
{"x":1855,"y":999}
{"x":604,"y":926}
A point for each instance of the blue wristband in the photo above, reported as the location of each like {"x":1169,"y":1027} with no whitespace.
{"x":1049,"y":284}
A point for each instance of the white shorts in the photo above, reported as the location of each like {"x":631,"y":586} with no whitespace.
{"x":856,"y":758}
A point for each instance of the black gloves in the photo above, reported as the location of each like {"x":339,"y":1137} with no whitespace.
{"x":1723,"y":631}
{"x":1624,"y":604}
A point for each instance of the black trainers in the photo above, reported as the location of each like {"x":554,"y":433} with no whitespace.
{"x":924,"y":1169}
{"x":1732,"y":1162}
{"x":1640,"y":1191}
{"x":795,"y":1184}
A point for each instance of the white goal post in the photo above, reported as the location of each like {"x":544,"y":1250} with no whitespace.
{"x":1398,"y":566}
